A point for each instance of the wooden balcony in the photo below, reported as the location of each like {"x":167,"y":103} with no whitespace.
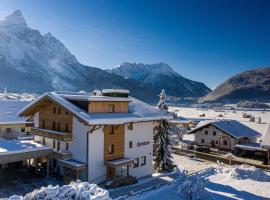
{"x":52,"y":134}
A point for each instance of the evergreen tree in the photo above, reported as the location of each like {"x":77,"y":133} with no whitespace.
{"x":162,"y":140}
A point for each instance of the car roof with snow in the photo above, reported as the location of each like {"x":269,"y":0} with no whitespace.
{"x":9,"y":111}
{"x":232,"y":127}
{"x":137,"y":110}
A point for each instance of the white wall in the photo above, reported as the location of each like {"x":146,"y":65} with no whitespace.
{"x":142,"y":132}
{"x":200,"y":134}
{"x":79,"y":138}
{"x":96,"y":167}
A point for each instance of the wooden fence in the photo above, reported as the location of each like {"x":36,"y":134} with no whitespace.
{"x":215,"y":158}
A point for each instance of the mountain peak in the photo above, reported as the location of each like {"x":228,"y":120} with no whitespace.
{"x":16,"y":18}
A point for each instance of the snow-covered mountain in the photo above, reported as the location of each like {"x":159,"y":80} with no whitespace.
{"x":161,"y":76}
{"x":35,"y":63}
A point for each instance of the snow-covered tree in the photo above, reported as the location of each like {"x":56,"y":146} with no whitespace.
{"x":193,"y":188}
{"x":162,"y":101}
{"x":162,"y":140}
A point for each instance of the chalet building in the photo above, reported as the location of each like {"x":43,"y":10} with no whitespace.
{"x":12,"y":126}
{"x":95,"y":137}
{"x":223,"y":134}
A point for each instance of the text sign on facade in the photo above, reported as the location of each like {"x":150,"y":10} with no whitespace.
{"x":139,"y":144}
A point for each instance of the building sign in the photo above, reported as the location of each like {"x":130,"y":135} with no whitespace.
{"x":139,"y":144}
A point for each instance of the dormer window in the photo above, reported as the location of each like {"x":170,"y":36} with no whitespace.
{"x":111,"y":108}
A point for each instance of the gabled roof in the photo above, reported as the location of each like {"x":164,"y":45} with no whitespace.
{"x":138,"y":111}
{"x":266,"y":138}
{"x":9,"y":111}
{"x":231,"y":127}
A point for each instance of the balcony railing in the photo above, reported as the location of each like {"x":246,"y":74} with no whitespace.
{"x":52,"y":134}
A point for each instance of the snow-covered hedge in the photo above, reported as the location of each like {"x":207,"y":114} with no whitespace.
{"x":193,"y":188}
{"x":73,"y":191}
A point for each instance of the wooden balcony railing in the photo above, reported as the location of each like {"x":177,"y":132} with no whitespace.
{"x":52,"y":134}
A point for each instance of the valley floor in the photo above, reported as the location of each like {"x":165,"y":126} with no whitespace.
{"x":236,"y":114}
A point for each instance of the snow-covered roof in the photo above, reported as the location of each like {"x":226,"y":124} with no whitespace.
{"x":266,"y":137}
{"x":9,"y":111}
{"x":20,"y":146}
{"x":231,"y":127}
{"x":138,"y":111}
{"x":250,"y":146}
{"x":115,"y":90}
{"x":87,"y":97}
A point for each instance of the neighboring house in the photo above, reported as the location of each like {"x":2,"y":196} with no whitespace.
{"x":11,"y":125}
{"x":95,"y":137}
{"x":223,"y":134}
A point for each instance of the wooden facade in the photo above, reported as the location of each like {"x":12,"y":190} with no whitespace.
{"x":114,"y":135}
{"x":108,"y":107}
{"x":56,"y":118}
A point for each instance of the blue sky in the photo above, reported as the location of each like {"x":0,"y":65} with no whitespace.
{"x":207,"y":41}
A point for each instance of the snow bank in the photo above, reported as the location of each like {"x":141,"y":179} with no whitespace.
{"x":75,"y":190}
{"x":241,"y":172}
{"x":250,"y":172}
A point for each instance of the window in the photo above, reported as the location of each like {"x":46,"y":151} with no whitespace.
{"x":130,"y":144}
{"x":111,"y":148}
{"x":111,"y":130}
{"x":66,"y":113}
{"x":225,"y":142}
{"x":202,"y":140}
{"x":58,"y":146}
{"x":59,"y":110}
{"x":58,"y":127}
{"x":206,"y":132}
{"x":8,"y":130}
{"x":67,"y":146}
{"x":66,"y":128}
{"x":54,"y":144}
{"x":216,"y":142}
{"x":130,"y":126}
{"x":143,"y":160}
{"x":22,"y":129}
{"x":43,"y":141}
{"x":54,"y":110}
{"x":214,"y":133}
{"x":43,"y":124}
{"x":53,"y":126}
{"x":136,"y":163}
{"x":111,"y":108}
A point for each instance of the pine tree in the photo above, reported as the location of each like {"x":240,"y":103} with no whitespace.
{"x":162,"y":101}
{"x":162,"y":140}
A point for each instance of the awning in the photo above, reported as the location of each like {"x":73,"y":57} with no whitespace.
{"x":120,"y":162}
{"x":19,"y":150}
{"x":74,"y":164}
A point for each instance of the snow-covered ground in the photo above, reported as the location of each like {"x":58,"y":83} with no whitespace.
{"x":193,"y":113}
{"x":222,"y":182}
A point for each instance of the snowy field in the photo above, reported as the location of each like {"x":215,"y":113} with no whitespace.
{"x":193,"y":113}
{"x":222,"y":182}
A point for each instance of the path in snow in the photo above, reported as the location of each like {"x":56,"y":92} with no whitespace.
{"x":191,"y":165}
